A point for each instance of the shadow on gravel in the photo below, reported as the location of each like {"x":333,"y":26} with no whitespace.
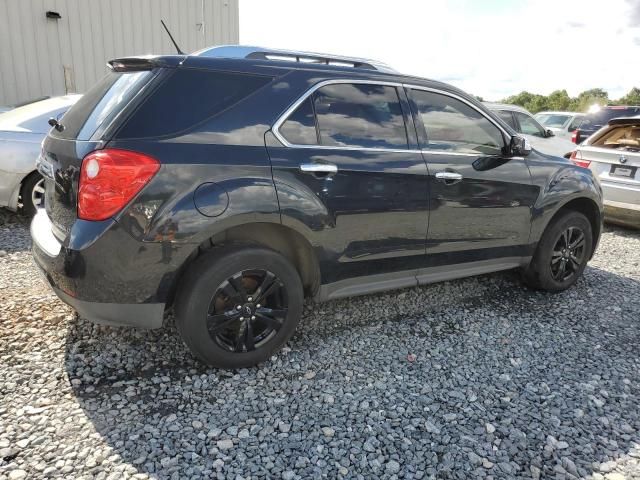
{"x":506,"y":382}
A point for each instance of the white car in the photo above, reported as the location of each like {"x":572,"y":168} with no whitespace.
{"x":21,"y":133}
{"x":613,"y":155}
{"x":563,"y":124}
{"x":540,"y":138}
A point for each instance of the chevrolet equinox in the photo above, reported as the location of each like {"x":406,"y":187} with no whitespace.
{"x":232,"y":183}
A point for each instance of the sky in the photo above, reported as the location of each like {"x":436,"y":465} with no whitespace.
{"x":490,"y":48}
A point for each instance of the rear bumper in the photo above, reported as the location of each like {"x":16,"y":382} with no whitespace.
{"x":622,"y":213}
{"x":97,"y":293}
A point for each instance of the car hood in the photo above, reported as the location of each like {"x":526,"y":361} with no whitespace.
{"x":555,"y":146}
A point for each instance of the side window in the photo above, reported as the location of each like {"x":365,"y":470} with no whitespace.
{"x":575,"y":123}
{"x":360,"y":115}
{"x":454,"y":126}
{"x":528,"y":125}
{"x":507,"y":117}
{"x":300,"y":127}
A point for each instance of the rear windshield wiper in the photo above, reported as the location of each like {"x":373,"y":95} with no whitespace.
{"x":55,"y":124}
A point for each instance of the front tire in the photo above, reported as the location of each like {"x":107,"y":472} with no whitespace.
{"x":562,"y":253}
{"x":238,"y":305}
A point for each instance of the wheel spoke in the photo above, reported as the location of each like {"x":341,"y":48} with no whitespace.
{"x":562,"y":270}
{"x":236,"y":283}
{"x":240,"y":338}
{"x":219,"y":321}
{"x":248,"y":338}
{"x":566,"y":236}
{"x":575,"y":264}
{"x":266,"y":288}
{"x":578,"y":243}
{"x":38,"y":189}
{"x":271,"y":322}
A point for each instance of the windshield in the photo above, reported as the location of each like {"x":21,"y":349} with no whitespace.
{"x":103,"y":101}
{"x":552,"y":120}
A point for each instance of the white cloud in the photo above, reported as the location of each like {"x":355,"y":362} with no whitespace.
{"x":493,"y":49}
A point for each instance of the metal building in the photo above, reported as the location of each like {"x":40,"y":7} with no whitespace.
{"x":52,"y":47}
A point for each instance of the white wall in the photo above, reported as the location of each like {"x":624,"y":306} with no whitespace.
{"x":40,"y":56}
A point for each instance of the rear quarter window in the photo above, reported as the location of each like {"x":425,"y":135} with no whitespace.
{"x":187,"y":98}
{"x":100,"y":104}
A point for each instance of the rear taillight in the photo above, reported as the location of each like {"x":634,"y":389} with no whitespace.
{"x":576,"y":157}
{"x":575,"y":136}
{"x":109,"y":179}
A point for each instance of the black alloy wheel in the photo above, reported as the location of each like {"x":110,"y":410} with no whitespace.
{"x":247,"y":310}
{"x":568,"y":254}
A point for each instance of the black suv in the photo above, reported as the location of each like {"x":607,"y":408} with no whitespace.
{"x":234,"y":183}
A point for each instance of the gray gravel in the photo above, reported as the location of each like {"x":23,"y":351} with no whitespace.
{"x":474,"y":378}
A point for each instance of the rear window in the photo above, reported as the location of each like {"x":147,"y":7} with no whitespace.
{"x":100,"y":104}
{"x":188,"y":97}
{"x":624,"y":137}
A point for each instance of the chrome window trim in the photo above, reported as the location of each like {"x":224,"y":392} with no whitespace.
{"x":336,"y":81}
{"x":284,"y":116}
{"x":463,"y":100}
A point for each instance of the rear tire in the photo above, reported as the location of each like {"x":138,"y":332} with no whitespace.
{"x":238,"y":305}
{"x":32,"y":194}
{"x":562,"y":253}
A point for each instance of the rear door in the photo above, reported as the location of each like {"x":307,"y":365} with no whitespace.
{"x":349,"y":173}
{"x":480,"y":200}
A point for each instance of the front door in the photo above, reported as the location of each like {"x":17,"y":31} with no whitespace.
{"x":350,"y":175}
{"x":480,"y":200}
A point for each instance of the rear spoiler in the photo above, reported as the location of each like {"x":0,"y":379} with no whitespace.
{"x":625,"y":121}
{"x":147,"y":62}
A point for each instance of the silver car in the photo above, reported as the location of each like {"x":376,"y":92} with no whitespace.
{"x":21,"y":133}
{"x":613,"y":155}
{"x":563,"y":124}
{"x":540,"y":138}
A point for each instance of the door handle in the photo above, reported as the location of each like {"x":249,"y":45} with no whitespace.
{"x":449,"y":177}
{"x":319,"y":168}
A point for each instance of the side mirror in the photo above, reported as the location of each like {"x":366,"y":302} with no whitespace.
{"x":550,"y":133}
{"x":519,"y":146}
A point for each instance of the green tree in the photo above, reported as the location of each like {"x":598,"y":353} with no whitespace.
{"x":591,"y":97}
{"x":560,"y":100}
{"x":631,"y":98}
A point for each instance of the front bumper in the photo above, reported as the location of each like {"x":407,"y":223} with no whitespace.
{"x":85,"y":288}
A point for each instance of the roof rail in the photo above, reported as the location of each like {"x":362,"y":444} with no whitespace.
{"x":242,"y":51}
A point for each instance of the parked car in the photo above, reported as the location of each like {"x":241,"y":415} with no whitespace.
{"x":613,"y":155}
{"x":592,"y":122}
{"x":542,"y":139}
{"x":562,"y":124}
{"x":232,"y":188}
{"x":21,"y":133}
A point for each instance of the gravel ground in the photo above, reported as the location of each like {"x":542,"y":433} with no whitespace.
{"x":474,"y":378}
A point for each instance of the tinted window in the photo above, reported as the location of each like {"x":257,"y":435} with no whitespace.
{"x":100,"y":103}
{"x":300,"y":126}
{"x":188,"y":97}
{"x":528,"y":125}
{"x":360,"y":115}
{"x":575,"y":123}
{"x":603,"y":116}
{"x":506,"y":116}
{"x":454,"y":126}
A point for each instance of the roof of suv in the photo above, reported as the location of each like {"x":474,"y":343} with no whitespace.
{"x":280,"y":59}
{"x":245,"y":51}
{"x":559,"y":112}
